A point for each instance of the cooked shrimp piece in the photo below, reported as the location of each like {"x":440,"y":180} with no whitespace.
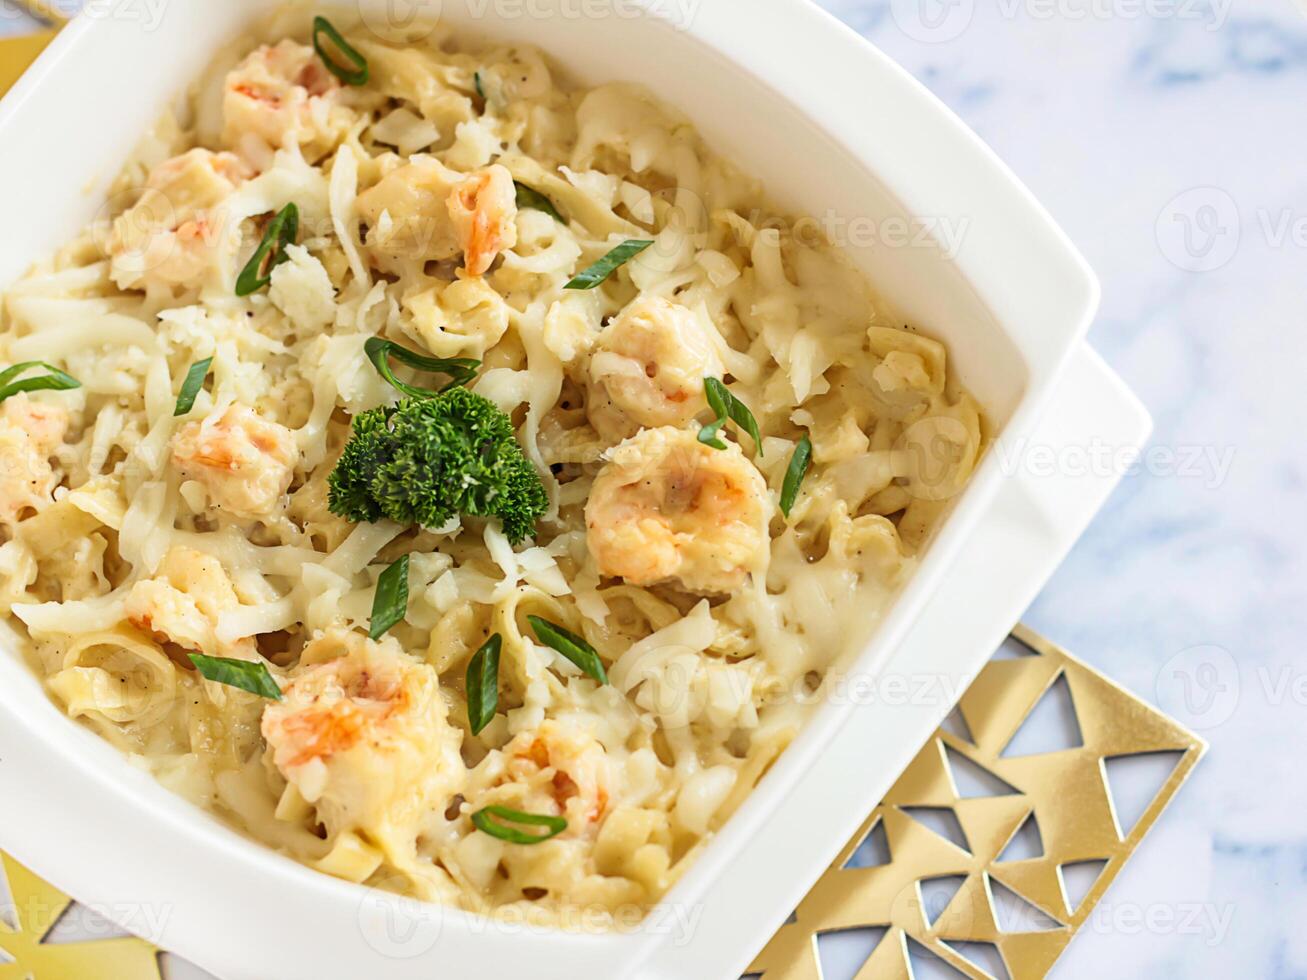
{"x":423,"y":211}
{"x":484,"y":210}
{"x":30,"y":432}
{"x":282,"y":94}
{"x":362,"y":733}
{"x":665,"y":508}
{"x":183,"y":603}
{"x":408,"y":217}
{"x":649,"y":369}
{"x":561,"y":768}
{"x":170,"y":237}
{"x":244,"y":461}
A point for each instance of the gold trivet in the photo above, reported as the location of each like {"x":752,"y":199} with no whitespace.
{"x":26,"y":922}
{"x":956,"y":892}
{"x":17,"y":53}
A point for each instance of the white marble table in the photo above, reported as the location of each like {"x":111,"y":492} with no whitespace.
{"x":1168,"y":138}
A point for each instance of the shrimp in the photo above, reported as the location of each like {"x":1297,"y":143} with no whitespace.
{"x":484,"y":212}
{"x":665,"y":508}
{"x":649,"y":369}
{"x":362,"y":733}
{"x":245,"y":462}
{"x":170,"y":237}
{"x":30,"y":432}
{"x":408,"y":216}
{"x":424,"y":211}
{"x":183,"y":603}
{"x":561,"y":766}
{"x":283,"y":94}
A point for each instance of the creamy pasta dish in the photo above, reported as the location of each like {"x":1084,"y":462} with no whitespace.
{"x":460,"y":480}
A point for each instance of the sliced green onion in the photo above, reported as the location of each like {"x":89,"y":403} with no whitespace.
{"x":570,"y":646}
{"x":390,"y":604}
{"x":359,"y":74}
{"x":480,"y":86}
{"x":485,"y":821}
{"x":379,"y":351}
{"x":726,"y":407}
{"x":529,"y":197}
{"x":795,"y":473}
{"x":483,"y":684}
{"x":247,"y":675}
{"x":609,"y":264}
{"x":708,"y":433}
{"x":192,"y":385}
{"x":56,"y":380}
{"x":282,"y":231}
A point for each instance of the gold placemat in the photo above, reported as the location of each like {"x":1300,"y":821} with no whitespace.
{"x":17,"y":53}
{"x":994,"y":878}
{"x":27,"y":922}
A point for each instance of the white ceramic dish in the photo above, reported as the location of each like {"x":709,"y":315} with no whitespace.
{"x":738,"y":915}
{"x":834,"y":128}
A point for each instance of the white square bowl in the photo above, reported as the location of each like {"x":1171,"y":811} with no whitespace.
{"x":834,"y":128}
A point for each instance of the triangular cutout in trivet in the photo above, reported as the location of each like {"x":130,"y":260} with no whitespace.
{"x":942,"y":821}
{"x":1036,"y":881}
{"x":79,"y":922}
{"x":1134,"y":782}
{"x":843,"y":952}
{"x":872,"y":851}
{"x":1014,"y":914}
{"x":1051,"y":726}
{"x":1026,"y":844}
{"x":1013,"y":649}
{"x":936,"y":893}
{"x":1078,"y":877}
{"x":973,"y":780}
{"x":927,"y":965}
{"x":983,"y":956}
{"x":956,"y":725}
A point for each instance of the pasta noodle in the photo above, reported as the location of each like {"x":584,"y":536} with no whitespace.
{"x":132,"y":538}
